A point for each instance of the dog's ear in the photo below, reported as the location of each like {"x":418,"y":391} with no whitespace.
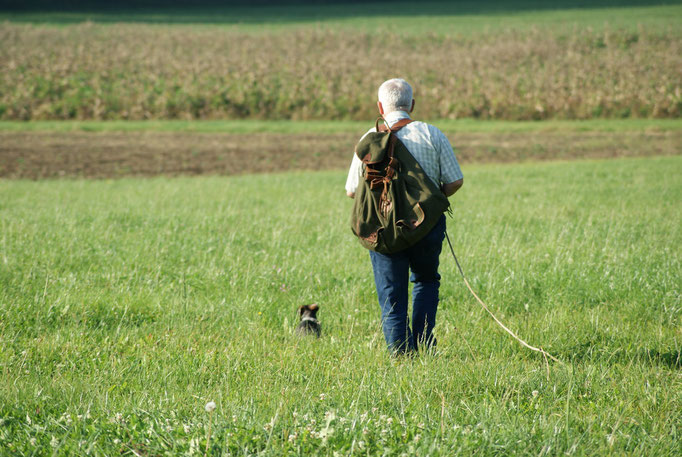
{"x":301,"y":309}
{"x":313,"y":308}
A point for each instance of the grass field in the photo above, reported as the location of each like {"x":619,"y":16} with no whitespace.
{"x":132,"y":294}
{"x":126,"y":305}
{"x":246,"y":127}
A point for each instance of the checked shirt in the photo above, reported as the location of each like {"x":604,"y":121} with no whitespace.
{"x":429,"y":146}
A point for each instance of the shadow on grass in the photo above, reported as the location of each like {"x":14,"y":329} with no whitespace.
{"x":594,"y":351}
{"x":672,"y":359}
{"x":282,"y":12}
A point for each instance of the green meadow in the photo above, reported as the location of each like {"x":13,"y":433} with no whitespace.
{"x":126,"y":305}
{"x":245,"y":127}
{"x":413,"y":18}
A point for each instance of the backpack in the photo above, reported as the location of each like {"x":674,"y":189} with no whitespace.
{"x":396,"y":203}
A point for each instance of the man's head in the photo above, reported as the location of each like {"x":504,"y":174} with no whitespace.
{"x":395,"y":95}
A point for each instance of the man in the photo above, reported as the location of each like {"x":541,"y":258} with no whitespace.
{"x":432,"y":150}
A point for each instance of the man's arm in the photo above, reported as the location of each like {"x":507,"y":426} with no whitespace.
{"x":450,"y":188}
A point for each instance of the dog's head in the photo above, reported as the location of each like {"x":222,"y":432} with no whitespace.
{"x":308,"y":310}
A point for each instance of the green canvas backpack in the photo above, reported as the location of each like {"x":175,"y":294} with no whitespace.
{"x":396,"y":203}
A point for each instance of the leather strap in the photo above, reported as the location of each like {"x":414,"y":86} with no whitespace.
{"x":394,"y":128}
{"x":374,"y":177}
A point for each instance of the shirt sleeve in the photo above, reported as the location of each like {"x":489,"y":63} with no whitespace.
{"x":449,"y":167}
{"x":355,"y":171}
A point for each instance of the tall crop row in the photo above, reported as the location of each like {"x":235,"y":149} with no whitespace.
{"x":150,"y":72}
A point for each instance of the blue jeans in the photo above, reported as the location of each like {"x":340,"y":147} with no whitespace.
{"x":391,"y":279}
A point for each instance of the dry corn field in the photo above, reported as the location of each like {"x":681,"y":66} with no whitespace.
{"x":91,"y":71}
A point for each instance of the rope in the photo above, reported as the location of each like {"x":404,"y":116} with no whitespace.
{"x":485,"y":307}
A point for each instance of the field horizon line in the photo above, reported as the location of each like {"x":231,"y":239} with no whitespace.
{"x":247,"y":126}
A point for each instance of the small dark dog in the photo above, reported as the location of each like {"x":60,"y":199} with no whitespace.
{"x":309,"y":324}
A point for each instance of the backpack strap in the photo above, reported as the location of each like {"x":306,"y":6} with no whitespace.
{"x":394,"y":128}
{"x":374,"y":177}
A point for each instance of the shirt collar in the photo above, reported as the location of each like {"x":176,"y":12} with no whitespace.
{"x":394,"y":116}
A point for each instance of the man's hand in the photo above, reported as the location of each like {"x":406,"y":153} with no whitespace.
{"x":350,"y":194}
{"x":450,"y":188}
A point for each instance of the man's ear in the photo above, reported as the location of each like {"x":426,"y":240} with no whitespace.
{"x":412,"y":109}
{"x":381,"y":108}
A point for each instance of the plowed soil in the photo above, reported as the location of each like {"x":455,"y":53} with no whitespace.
{"x":31,"y":155}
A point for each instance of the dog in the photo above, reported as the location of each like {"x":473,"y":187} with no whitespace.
{"x":309,"y":324}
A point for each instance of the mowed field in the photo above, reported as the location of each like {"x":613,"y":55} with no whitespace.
{"x":117,"y":149}
{"x":177,"y":193}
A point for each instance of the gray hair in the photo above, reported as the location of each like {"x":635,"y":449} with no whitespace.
{"x":395,"y":94}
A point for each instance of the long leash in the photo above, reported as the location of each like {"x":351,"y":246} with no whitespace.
{"x":485,"y":307}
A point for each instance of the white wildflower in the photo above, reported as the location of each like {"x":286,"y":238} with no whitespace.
{"x":326,"y":432}
{"x":535,"y":393}
{"x":194,"y":446}
{"x":33,"y":441}
{"x":54,"y":442}
{"x":323,"y":396}
{"x":210,"y":406}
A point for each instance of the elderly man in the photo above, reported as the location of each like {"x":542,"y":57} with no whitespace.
{"x":432,"y":150}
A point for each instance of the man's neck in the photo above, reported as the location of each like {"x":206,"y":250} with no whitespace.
{"x":394,"y":116}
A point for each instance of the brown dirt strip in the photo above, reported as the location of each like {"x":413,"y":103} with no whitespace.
{"x":31,"y":155}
